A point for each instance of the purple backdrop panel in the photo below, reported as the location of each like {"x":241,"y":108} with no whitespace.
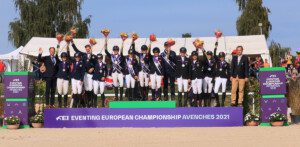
{"x":272,"y":82}
{"x":132,"y":117}
{"x":272,"y":105}
{"x":16,"y":86}
{"x":19,"y":109}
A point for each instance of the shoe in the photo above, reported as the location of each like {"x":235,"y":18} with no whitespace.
{"x":232,"y":105}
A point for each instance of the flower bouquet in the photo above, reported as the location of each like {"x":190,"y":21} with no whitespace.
{"x":37,"y":121}
{"x":171,"y":42}
{"x":68,"y":38}
{"x":92,"y":41}
{"x":105,"y":32}
{"x":198,"y":43}
{"x":134,"y":36}
{"x":59,"y":37}
{"x":218,"y":34}
{"x":123,"y":36}
{"x":251,"y":119}
{"x":277,"y":119}
{"x":152,"y":38}
{"x":12,"y":122}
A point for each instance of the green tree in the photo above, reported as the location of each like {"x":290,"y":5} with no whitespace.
{"x":186,"y":35}
{"x":253,"y":13}
{"x":277,"y":52}
{"x":45,"y":18}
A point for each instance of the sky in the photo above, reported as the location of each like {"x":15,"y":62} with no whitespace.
{"x":167,"y":18}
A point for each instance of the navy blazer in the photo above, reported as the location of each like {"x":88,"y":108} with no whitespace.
{"x":51,"y":68}
{"x":100,"y":72}
{"x":88,"y":62}
{"x":78,"y":70}
{"x":64,"y":69}
{"x":240,"y":69}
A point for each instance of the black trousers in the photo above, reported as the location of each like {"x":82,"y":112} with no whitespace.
{"x":50,"y":90}
{"x":168,"y":78}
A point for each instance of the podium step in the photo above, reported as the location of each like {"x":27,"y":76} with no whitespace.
{"x":142,"y":104}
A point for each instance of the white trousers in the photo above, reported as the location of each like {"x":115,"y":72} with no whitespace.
{"x":218,"y":82}
{"x":144,"y":79}
{"x":88,"y":82}
{"x":99,"y":87}
{"x":76,"y":86}
{"x":182,"y":83}
{"x":130,"y":81}
{"x":197,"y":86}
{"x":62,"y":86}
{"x":118,"y":79}
{"x":155,"y":81}
{"x":207,"y":84}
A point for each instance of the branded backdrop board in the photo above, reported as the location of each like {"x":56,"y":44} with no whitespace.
{"x":143,"y":117}
{"x":272,"y":80}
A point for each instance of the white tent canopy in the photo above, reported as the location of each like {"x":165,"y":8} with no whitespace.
{"x":12,"y":55}
{"x":253,"y":45}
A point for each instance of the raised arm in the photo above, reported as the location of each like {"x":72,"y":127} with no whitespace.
{"x":40,"y":59}
{"x":215,"y":52}
{"x":75,"y":48}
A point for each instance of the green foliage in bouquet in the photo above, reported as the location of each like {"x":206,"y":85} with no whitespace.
{"x":12,"y":120}
{"x":251,"y":117}
{"x":38,"y":118}
{"x":277,"y":117}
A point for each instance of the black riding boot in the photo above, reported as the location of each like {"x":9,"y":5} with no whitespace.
{"x":217,"y":100}
{"x":66,"y":100}
{"x":153,"y":94}
{"x":223,"y":99}
{"x":159,"y":93}
{"x":185,"y":99}
{"x":103,"y":100}
{"x":75,"y":101}
{"x":129,"y":94}
{"x":59,"y":101}
{"x":209,"y":100}
{"x":121,"y":93}
{"x":179,"y":99}
{"x":116,"y":93}
{"x":199,"y":99}
{"x":146,"y":93}
{"x":95,"y":97}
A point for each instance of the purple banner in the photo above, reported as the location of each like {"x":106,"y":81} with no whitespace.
{"x":19,"y":109}
{"x":16,"y":86}
{"x":141,"y":117}
{"x":272,"y":82}
{"x":272,"y":105}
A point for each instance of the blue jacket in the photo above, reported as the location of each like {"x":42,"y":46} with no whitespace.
{"x":78,"y":70}
{"x":64,"y":69}
{"x":100,"y":71}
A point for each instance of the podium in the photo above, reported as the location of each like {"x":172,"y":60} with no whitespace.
{"x":19,"y":96}
{"x":272,"y":83}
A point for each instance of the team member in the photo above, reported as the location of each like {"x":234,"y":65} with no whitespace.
{"x":89,"y":60}
{"x":63,"y":79}
{"x":100,"y":73}
{"x":144,"y":69}
{"x":182,"y":75}
{"x":239,"y":75}
{"x":156,"y":67}
{"x":131,"y":71}
{"x":169,"y":59}
{"x":50,"y":62}
{"x":77,"y":76}
{"x":222,"y":73}
{"x":209,"y":66}
{"x":117,"y":70}
{"x":196,"y":75}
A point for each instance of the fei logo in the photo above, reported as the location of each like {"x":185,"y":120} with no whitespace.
{"x":62,"y":118}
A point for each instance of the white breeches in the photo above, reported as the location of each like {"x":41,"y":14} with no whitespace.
{"x":88,"y":82}
{"x":207,"y":84}
{"x":99,"y":87}
{"x":130,"y":81}
{"x":155,"y":81}
{"x":144,"y":79}
{"x":76,"y":86}
{"x":182,"y":83}
{"x":197,"y":86}
{"x":218,"y":82}
{"x":118,"y":79}
{"x":62,"y":86}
